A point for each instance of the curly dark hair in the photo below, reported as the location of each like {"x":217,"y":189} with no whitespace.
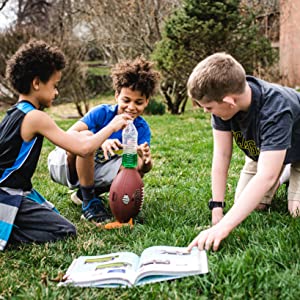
{"x":33,"y":59}
{"x":137,"y":74}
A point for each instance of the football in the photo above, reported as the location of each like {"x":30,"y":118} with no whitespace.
{"x":126,"y":195}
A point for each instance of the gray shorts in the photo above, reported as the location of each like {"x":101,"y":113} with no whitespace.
{"x":105,"y":171}
{"x":38,"y":223}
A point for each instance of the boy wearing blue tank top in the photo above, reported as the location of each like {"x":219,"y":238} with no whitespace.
{"x":34,"y":71}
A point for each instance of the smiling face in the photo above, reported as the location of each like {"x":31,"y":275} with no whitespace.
{"x":46,"y":92}
{"x":131,"y":102}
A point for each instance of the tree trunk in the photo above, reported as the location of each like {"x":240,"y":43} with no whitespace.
{"x":290,"y":42}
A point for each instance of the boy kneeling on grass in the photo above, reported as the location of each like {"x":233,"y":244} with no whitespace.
{"x":264,"y":120}
{"x":34,"y":71}
{"x":134,"y":81}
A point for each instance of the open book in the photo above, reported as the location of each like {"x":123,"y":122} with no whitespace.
{"x":157,"y":263}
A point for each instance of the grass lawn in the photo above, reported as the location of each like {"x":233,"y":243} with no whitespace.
{"x":259,"y":260}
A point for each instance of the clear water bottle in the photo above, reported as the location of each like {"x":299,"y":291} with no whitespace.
{"x":129,"y":138}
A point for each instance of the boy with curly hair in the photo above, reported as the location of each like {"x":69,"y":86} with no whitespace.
{"x":34,"y":71}
{"x":264,"y":120}
{"x":134,"y":83}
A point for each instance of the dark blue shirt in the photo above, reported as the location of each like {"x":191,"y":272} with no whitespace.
{"x":271,"y":123}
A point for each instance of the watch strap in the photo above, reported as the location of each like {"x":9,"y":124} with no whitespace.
{"x":213,"y":204}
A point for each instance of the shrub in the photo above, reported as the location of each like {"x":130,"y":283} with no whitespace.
{"x":155,"y":107}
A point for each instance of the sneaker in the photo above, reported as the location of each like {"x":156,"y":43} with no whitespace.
{"x":95,"y":211}
{"x":75,"y":198}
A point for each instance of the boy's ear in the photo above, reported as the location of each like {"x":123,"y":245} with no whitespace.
{"x":229,"y":100}
{"x":116,"y":96}
{"x":36,"y":83}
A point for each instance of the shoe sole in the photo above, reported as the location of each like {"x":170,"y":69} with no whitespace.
{"x":76,"y":200}
{"x":83,"y":218}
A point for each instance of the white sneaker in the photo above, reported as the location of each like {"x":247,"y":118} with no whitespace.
{"x":75,"y":199}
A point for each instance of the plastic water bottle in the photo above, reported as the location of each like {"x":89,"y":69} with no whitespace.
{"x":129,"y":137}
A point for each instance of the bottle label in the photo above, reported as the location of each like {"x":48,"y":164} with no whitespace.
{"x":129,"y":160}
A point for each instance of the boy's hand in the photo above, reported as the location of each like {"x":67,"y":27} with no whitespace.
{"x":119,"y":122}
{"x":109,"y":146}
{"x":143,"y":151}
{"x":216,"y":215}
{"x":209,"y":238}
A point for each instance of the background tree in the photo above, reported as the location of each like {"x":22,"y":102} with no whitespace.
{"x":54,"y":22}
{"x":10,"y":41}
{"x":199,"y":29}
{"x":3,"y":4}
{"x":111,"y":30}
{"x":125,"y":29}
{"x":108,"y":30}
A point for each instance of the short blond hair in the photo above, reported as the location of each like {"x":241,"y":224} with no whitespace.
{"x":215,"y":77}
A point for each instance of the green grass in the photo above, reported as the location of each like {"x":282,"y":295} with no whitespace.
{"x":99,"y":70}
{"x":259,"y":260}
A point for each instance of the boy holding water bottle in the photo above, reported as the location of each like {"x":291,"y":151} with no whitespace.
{"x":134,"y":83}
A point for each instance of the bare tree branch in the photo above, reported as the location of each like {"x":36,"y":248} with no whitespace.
{"x":3,"y":3}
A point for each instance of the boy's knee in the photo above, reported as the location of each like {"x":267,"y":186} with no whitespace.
{"x":68,"y":231}
{"x":72,"y":230}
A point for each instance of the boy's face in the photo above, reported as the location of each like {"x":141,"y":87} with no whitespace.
{"x":224,"y":109}
{"x":46,"y":92}
{"x":131,"y":102}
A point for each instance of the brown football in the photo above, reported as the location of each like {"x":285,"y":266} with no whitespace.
{"x":126,"y":195}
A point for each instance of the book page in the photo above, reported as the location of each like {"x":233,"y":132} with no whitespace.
{"x":101,"y":270}
{"x":165,"y":262}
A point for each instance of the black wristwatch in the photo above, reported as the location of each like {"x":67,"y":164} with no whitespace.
{"x":212,"y":204}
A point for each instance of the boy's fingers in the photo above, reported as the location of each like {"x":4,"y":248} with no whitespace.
{"x":127,"y":116}
{"x":208,"y":244}
{"x":216,"y":245}
{"x":105,"y":154}
{"x":193,"y":243}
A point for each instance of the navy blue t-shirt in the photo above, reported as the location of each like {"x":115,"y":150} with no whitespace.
{"x":271,"y":123}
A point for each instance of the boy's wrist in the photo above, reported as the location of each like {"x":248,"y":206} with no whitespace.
{"x":214,"y":204}
{"x":111,"y":127}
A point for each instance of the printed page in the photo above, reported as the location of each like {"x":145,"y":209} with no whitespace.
{"x":101,"y":270}
{"x":165,"y":262}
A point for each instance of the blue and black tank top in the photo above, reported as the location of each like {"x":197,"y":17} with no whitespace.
{"x":18,"y":159}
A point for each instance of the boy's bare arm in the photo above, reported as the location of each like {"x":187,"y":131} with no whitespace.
{"x":269,"y":167}
{"x":81,"y":143}
{"x":220,"y":165}
{"x":78,"y":126}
